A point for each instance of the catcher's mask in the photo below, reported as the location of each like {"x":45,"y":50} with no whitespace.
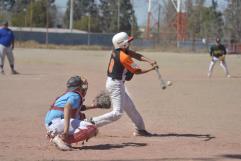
{"x":76,"y":82}
{"x":121,"y":40}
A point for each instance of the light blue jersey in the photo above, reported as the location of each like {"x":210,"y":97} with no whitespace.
{"x":70,"y":97}
{"x":6,"y":37}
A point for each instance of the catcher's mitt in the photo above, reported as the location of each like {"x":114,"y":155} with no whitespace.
{"x":102,"y":100}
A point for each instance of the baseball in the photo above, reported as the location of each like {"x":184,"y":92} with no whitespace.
{"x":169,"y":83}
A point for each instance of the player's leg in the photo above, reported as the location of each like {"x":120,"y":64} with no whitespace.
{"x":2,"y":57}
{"x":81,"y":130}
{"x":211,"y":66}
{"x":225,"y":68}
{"x":54,"y":129}
{"x":11,"y":60}
{"x":116,"y":90}
{"x":78,"y":131}
{"x":135,"y":116}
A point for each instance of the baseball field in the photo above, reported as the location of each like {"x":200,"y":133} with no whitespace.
{"x":196,"y":119}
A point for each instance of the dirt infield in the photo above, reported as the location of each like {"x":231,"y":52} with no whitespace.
{"x":197,"y":119}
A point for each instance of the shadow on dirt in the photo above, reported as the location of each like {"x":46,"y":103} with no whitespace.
{"x":111,"y":146}
{"x":235,"y":76}
{"x":232,"y":156}
{"x":206,"y":137}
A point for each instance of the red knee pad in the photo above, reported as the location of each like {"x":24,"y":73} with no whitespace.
{"x":83,"y":134}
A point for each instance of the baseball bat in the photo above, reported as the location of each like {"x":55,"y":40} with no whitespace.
{"x":162,"y":82}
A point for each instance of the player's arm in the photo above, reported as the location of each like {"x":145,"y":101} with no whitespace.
{"x":87,"y":107}
{"x":13,"y":44}
{"x":142,"y":71}
{"x":67,"y":112}
{"x":131,"y":66}
{"x":224,"y":50}
{"x":211,"y":51}
{"x":13,"y":41}
{"x":140,"y":57}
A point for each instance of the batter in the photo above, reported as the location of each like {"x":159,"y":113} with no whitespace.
{"x":121,"y":68}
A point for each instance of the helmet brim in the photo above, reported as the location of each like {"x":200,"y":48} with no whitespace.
{"x":71,"y":89}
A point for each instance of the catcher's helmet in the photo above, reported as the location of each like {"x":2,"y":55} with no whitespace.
{"x":75,"y":82}
{"x":121,"y":40}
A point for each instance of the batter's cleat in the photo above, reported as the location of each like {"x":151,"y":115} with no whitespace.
{"x":15,"y":72}
{"x":142,"y":133}
{"x":209,"y":75}
{"x":228,"y":76}
{"x":60,"y":144}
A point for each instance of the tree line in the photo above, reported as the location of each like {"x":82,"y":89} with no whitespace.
{"x":103,"y":16}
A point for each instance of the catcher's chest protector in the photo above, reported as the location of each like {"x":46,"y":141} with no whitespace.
{"x":73,"y":111}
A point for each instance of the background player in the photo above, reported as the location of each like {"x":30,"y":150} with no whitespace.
{"x":6,"y":46}
{"x":217,"y":53}
{"x":121,"y":68}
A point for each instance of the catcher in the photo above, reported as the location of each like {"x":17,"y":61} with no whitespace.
{"x":65,"y":122}
{"x":217,"y":53}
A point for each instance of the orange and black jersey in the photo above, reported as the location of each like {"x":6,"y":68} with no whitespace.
{"x":121,"y":66}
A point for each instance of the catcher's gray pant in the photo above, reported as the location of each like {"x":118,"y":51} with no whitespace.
{"x":6,"y":51}
{"x":222,"y":64}
{"x":120,"y":102}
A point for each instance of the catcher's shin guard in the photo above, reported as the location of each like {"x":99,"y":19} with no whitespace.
{"x":83,"y":134}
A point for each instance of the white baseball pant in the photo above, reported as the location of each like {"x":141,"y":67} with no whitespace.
{"x":121,"y":102}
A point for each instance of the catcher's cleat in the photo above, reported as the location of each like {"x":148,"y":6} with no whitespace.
{"x":60,"y":144}
{"x":142,"y":133}
{"x":50,"y":135}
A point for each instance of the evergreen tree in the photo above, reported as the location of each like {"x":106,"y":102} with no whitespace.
{"x":7,"y":5}
{"x":33,"y":13}
{"x":117,"y":16}
{"x":85,"y":13}
{"x":204,"y":22}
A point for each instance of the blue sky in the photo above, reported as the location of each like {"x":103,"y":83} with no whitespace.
{"x":140,"y":7}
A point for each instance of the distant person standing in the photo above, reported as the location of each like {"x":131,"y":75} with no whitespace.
{"x":217,"y":53}
{"x":6,"y":46}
